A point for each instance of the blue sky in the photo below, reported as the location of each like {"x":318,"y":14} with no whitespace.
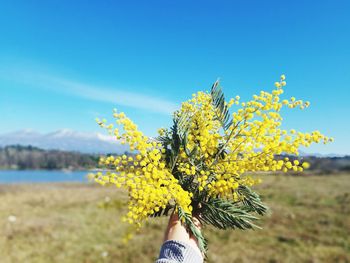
{"x":63,"y":63}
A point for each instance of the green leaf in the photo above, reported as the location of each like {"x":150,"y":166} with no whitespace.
{"x":176,"y":140}
{"x":225,"y":214}
{"x":218,"y":101}
{"x":187,"y":218}
{"x":252,"y":200}
{"x":165,"y":140}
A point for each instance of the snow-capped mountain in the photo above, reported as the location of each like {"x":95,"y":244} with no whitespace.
{"x":65,"y":140}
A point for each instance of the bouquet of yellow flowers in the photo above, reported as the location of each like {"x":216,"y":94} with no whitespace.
{"x":201,"y":165}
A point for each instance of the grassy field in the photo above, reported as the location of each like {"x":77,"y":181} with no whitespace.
{"x":309,"y":221}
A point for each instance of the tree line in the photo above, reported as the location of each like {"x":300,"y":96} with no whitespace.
{"x":29,"y":157}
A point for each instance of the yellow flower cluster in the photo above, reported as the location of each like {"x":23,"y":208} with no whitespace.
{"x":251,"y":144}
{"x":215,"y":157}
{"x":144,"y":175}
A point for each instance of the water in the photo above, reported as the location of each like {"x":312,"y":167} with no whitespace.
{"x":42,"y":176}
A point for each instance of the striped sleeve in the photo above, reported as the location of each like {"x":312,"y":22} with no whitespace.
{"x":173,"y":251}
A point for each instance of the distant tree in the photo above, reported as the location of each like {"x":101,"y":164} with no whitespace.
{"x":29,"y":157}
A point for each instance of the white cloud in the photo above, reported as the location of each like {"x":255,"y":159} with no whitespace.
{"x":117,"y":96}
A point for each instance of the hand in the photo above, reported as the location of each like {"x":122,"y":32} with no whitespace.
{"x":176,"y":231}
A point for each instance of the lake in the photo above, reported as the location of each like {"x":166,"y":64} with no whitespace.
{"x":41,"y":176}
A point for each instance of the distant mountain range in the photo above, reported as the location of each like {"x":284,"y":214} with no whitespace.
{"x":64,"y":140}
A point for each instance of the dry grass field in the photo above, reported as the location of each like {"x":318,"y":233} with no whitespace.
{"x":309,"y":221}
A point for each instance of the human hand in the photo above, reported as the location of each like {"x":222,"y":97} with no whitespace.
{"x":177,"y":231}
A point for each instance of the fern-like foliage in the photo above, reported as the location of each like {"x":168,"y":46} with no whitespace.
{"x":224,"y":214}
{"x":218,"y":100}
{"x":251,"y":200}
{"x":187,"y":219}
